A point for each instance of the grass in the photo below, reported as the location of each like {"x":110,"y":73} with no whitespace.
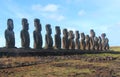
{"x":48,"y":70}
{"x":67,"y":68}
{"x":62,"y":66}
{"x":115,"y":48}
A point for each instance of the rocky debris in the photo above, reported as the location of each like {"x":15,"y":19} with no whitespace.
{"x":101,"y":59}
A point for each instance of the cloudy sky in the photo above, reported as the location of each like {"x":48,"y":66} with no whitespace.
{"x":101,"y":15}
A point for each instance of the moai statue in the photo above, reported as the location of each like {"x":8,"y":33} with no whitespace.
{"x":77,"y":41}
{"x":87,"y":42}
{"x":82,"y":42}
{"x":96,"y":43}
{"x":48,"y":37}
{"x":37,"y":36}
{"x":103,"y":35}
{"x":9,"y":34}
{"x":92,"y":43}
{"x":57,"y":38}
{"x":25,"y":38}
{"x":65,"y":41}
{"x":99,"y":43}
{"x":106,"y":44}
{"x":71,"y":40}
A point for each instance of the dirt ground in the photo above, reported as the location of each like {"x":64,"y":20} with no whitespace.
{"x":87,"y":65}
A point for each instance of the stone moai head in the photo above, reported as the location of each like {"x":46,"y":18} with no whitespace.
{"x":96,"y":39}
{"x":77,"y":34}
{"x":87,"y":37}
{"x":92,"y":33}
{"x":57,"y":29}
{"x":10,"y":25}
{"x":48,"y":29}
{"x":25,"y":24}
{"x":37,"y":24}
{"x":71,"y":35}
{"x":82,"y":36}
{"x":99,"y":38}
{"x":107,"y":40}
{"x":65,"y":32}
{"x":103,"y":35}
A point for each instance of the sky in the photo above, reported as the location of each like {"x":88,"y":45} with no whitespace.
{"x":83,"y":15}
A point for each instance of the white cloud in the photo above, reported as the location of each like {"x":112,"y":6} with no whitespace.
{"x":47,"y":8}
{"x":81,"y":13}
{"x":50,"y":11}
{"x":51,"y":8}
{"x":56,"y":17}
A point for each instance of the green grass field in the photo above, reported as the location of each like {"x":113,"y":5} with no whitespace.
{"x":115,"y":48}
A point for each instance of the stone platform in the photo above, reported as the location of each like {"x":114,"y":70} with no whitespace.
{"x":46,"y":52}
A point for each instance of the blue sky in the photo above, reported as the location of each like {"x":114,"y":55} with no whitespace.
{"x":83,"y":15}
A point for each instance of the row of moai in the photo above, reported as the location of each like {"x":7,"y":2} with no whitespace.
{"x":69,"y":40}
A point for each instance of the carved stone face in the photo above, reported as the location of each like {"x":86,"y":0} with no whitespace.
{"x":10,"y":24}
{"x":103,"y":35}
{"x":57,"y":28}
{"x":87,"y":37}
{"x":96,"y":39}
{"x":65,"y":33}
{"x":77,"y":34}
{"x":48,"y":29}
{"x":27,"y":27}
{"x":107,"y":40}
{"x":37,"y":24}
{"x":71,"y":35}
{"x":25,"y":24}
{"x":82,"y":36}
{"x":99,"y":38}
{"x":92,"y":33}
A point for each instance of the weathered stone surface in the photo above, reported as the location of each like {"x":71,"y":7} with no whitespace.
{"x":77,"y":41}
{"x":24,"y":34}
{"x":57,"y":38}
{"x":103,"y":35}
{"x":87,"y":42}
{"x":9,"y":34}
{"x":107,"y":44}
{"x":65,"y":42}
{"x":71,"y":40}
{"x":82,"y":42}
{"x":96,"y":43}
{"x":37,"y":36}
{"x":99,"y":42}
{"x":92,"y":42}
{"x":48,"y":37}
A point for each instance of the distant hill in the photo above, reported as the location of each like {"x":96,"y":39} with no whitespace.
{"x":115,"y":48}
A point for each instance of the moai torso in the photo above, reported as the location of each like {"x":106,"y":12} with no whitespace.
{"x":96,"y":43}
{"x":99,"y":43}
{"x":57,"y":38}
{"x":82,"y":42}
{"x":107,"y":44}
{"x":77,"y":41}
{"x":87,"y":42}
{"x":71,"y":40}
{"x":9,"y":34}
{"x":48,"y":37}
{"x":25,"y":38}
{"x":37,"y":34}
{"x":92,"y":42}
{"x":103,"y":35}
{"x":65,"y":42}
